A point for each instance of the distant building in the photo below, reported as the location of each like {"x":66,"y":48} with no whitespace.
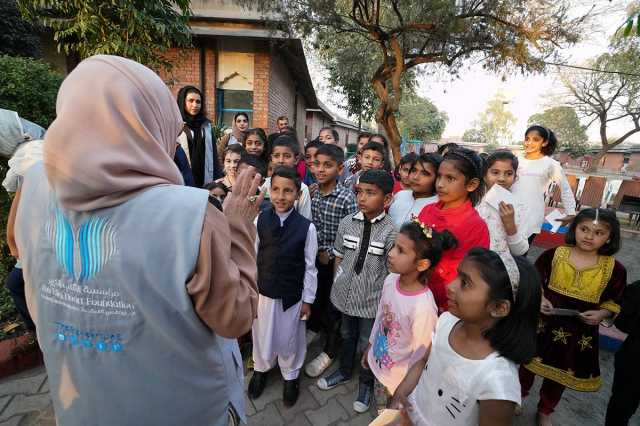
{"x":320,"y":117}
{"x":238,"y":63}
{"x":622,"y":158}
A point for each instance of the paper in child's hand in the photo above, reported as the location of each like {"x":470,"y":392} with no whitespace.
{"x":498,"y":194}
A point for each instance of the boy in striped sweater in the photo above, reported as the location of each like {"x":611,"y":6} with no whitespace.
{"x":362,"y":243}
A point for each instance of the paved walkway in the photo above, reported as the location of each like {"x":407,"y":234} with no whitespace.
{"x":24,"y":398}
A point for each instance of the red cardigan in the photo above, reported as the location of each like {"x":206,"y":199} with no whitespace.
{"x":470,"y":230}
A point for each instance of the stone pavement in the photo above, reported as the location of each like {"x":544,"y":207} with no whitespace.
{"x":24,"y":398}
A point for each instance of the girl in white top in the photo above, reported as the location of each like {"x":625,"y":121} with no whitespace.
{"x":505,"y":222}
{"x":472,"y":374}
{"x":422,"y":179}
{"x":407,"y":312}
{"x":536,"y":171}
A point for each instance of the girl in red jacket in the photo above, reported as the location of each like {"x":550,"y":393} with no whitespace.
{"x":460,"y":187}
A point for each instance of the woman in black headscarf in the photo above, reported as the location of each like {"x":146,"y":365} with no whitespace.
{"x":197,"y":137}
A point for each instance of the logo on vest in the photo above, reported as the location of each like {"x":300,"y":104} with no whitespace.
{"x":82,"y":252}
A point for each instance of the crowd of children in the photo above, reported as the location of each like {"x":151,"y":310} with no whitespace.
{"x":415,"y":277}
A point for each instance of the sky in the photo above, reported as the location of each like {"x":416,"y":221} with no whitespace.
{"x":466,"y":97}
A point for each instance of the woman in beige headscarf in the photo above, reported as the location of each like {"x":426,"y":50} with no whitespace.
{"x":237,"y":135}
{"x":135,"y":283}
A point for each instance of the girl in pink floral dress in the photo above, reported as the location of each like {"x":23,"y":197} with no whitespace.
{"x":407,"y":311}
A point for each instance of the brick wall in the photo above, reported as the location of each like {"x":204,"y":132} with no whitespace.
{"x":261,"y":89}
{"x":613,"y":161}
{"x":186,"y":71}
{"x":281,"y":93}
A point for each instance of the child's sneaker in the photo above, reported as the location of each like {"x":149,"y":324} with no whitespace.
{"x":332,"y":380}
{"x":318,"y":365}
{"x":361,"y":405}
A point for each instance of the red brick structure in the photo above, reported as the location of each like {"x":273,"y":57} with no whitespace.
{"x":241,"y":65}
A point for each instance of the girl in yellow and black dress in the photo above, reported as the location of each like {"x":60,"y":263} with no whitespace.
{"x":582,"y":277}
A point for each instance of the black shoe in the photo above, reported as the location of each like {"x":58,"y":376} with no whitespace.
{"x":290,"y":392}
{"x":257,"y":384}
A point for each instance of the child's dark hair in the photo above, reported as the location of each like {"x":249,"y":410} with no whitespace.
{"x":254,"y":161}
{"x":409,"y":158}
{"x":513,"y":336}
{"x":470,"y":165}
{"x":332,"y":151}
{"x":443,"y":149}
{"x":213,"y":185}
{"x":500,"y":155}
{"x":333,"y":131}
{"x":363,"y":135}
{"x":258,"y":132}
{"x":430,"y":158}
{"x":605,"y":215}
{"x":385,"y":143}
{"x":287,"y":141}
{"x":547,"y":135}
{"x":379,"y":178}
{"x":313,"y":144}
{"x":428,"y":248}
{"x":236,"y":148}
{"x":287,"y":173}
{"x":374,"y":146}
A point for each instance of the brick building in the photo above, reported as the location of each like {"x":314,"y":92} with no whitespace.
{"x":320,"y":117}
{"x":242,"y":65}
{"x":625,"y":157}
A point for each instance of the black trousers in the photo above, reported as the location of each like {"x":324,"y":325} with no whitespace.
{"x":625,"y":396}
{"x":324,"y":316}
{"x":15,"y":285}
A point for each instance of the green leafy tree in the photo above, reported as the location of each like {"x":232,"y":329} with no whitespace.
{"x":607,"y":97}
{"x":29,"y":87}
{"x":493,"y":125}
{"x":418,"y":118}
{"x":138,"y":29}
{"x":348,"y":61}
{"x":18,"y":37}
{"x":564,"y":122}
{"x":505,"y":34}
{"x":475,"y":135}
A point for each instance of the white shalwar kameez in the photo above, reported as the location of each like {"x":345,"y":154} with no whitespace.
{"x":280,"y":335}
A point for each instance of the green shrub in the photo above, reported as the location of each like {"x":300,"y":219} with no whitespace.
{"x":29,"y":87}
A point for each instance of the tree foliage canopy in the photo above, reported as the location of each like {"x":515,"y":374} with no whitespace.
{"x":564,"y":122}
{"x":138,"y":29}
{"x":18,"y":37}
{"x":418,"y":118}
{"x":607,"y":97}
{"x":29,"y":87}
{"x":511,"y":34}
{"x":494,"y":124}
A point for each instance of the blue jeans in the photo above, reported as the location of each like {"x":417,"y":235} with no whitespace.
{"x":355,"y":332}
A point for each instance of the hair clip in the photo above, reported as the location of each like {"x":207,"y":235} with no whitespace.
{"x":427,"y":231}
{"x":595,"y":221}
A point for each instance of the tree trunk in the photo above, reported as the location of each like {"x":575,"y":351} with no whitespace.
{"x":595,"y":162}
{"x":388,"y":121}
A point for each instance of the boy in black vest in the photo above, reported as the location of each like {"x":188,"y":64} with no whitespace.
{"x":287,"y":279}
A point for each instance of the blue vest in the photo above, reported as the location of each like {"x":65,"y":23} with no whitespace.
{"x":281,"y":263}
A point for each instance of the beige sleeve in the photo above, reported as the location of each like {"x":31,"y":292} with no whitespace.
{"x":224,"y":286}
